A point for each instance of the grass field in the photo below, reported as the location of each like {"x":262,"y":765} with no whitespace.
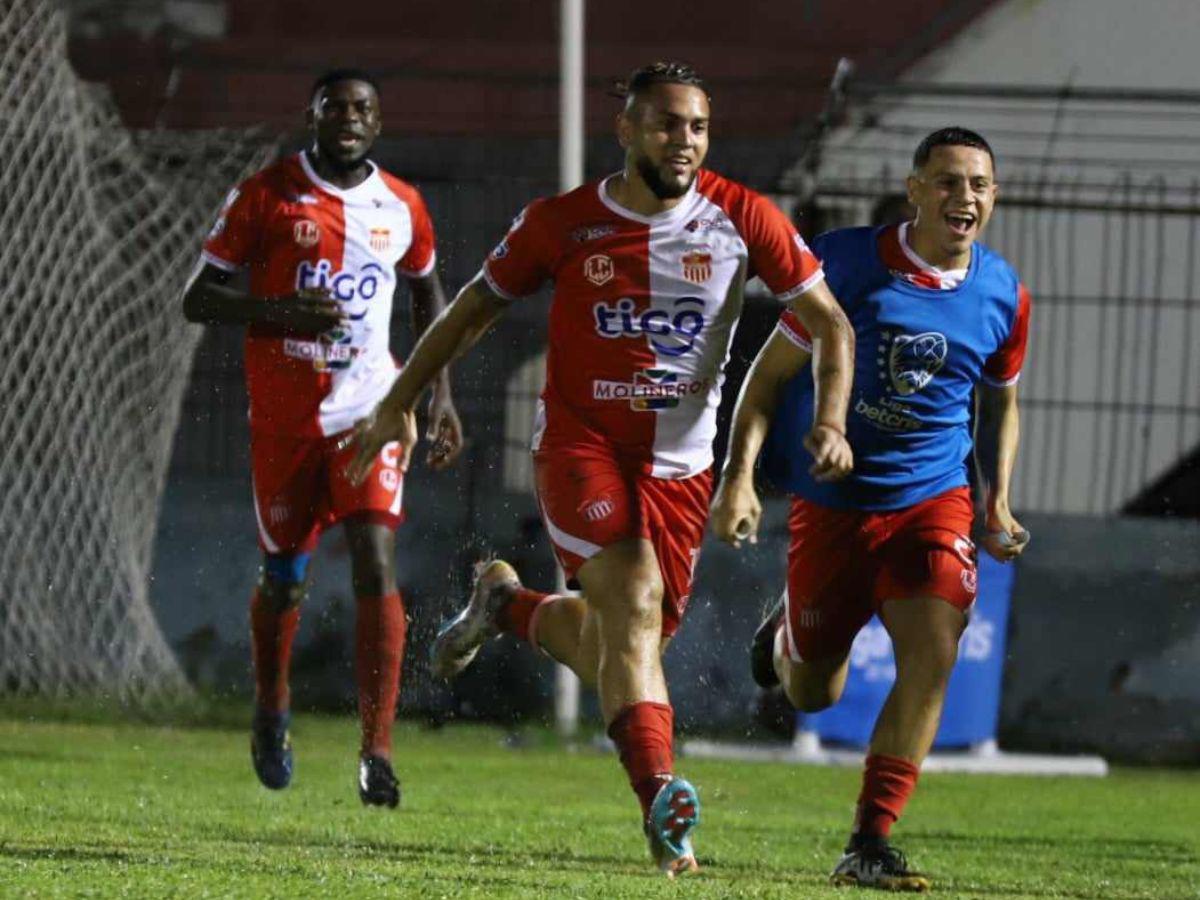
{"x":104,"y":810}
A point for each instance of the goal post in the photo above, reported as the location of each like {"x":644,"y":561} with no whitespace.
{"x":101,"y":227}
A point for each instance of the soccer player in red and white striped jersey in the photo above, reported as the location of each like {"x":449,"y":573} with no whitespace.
{"x":322,"y":237}
{"x":649,"y":267}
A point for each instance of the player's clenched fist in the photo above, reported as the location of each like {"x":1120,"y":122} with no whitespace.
{"x":379,"y":429}
{"x":308,"y":312}
{"x":832,"y":457}
{"x":736,"y":510}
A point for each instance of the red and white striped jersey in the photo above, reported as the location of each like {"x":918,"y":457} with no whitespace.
{"x":293,"y":230}
{"x":644,"y":311}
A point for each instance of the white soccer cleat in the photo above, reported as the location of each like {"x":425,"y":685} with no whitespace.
{"x":460,"y":639}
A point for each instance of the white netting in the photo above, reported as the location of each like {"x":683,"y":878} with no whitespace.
{"x":99,"y":230}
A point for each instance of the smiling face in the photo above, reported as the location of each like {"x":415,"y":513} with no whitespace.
{"x":345,"y":121}
{"x":664,"y":131}
{"x":953,"y":192}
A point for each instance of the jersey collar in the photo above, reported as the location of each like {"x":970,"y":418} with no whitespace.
{"x":675,"y":212}
{"x":324,"y":185}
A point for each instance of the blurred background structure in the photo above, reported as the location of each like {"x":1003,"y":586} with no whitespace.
{"x":1093,"y":108}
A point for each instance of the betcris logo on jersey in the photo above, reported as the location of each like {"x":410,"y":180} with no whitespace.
{"x":670,"y":332}
{"x":344,"y":286}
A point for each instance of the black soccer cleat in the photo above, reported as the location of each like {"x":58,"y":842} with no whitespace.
{"x":377,"y":783}
{"x":762,"y":648}
{"x":271,"y":749}
{"x":872,"y":862}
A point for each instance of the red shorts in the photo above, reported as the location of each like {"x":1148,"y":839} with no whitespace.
{"x":301,"y":488}
{"x":843,"y":565}
{"x":590,"y":500}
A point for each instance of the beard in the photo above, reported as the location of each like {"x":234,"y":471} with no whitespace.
{"x":333,"y":156}
{"x":661,"y":189}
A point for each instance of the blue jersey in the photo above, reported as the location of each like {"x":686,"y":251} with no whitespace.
{"x":919,"y":352}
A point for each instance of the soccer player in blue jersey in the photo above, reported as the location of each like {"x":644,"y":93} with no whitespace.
{"x":939,"y":320}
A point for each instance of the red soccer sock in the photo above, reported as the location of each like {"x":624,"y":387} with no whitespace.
{"x":272,"y":633}
{"x":519,"y":616}
{"x":888,"y":782}
{"x":379,"y":632}
{"x":642,"y":733}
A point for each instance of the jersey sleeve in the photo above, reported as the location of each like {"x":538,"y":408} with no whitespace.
{"x":421,"y":256}
{"x":790,"y":327}
{"x":1004,"y":366}
{"x":231,"y":243}
{"x":524,"y":259}
{"x":778,"y":255}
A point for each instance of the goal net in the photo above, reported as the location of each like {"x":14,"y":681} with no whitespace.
{"x":100,"y":229}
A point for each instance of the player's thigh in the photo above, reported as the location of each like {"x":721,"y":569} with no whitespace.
{"x":623,"y":586}
{"x":372,"y":547}
{"x":587,"y":504}
{"x":289,"y":492}
{"x":673,"y":515}
{"x":930,"y":554}
{"x":377,"y":499}
{"x":828,"y":595}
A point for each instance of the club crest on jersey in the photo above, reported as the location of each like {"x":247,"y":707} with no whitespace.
{"x":598,"y":269}
{"x":913,"y":360}
{"x":306,"y":233}
{"x":381,"y":239}
{"x":697,"y":266}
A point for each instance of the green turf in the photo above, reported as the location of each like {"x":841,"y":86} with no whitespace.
{"x":99,"y":810}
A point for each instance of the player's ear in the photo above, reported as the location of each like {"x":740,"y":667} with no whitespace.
{"x":624,"y":129}
{"x":911,"y":184}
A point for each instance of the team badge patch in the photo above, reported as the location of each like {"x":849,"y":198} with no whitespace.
{"x":598,"y":269}
{"x":306,"y":233}
{"x":913,"y":360}
{"x":697,"y":266}
{"x":381,"y":239}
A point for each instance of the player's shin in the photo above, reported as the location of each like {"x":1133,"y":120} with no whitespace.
{"x":272,"y":632}
{"x":380,"y":630}
{"x":643,"y":735}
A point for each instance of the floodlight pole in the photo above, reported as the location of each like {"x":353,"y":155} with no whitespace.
{"x":570,"y":176}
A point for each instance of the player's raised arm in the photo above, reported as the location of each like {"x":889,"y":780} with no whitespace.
{"x":455,"y":331}
{"x":997,"y":435}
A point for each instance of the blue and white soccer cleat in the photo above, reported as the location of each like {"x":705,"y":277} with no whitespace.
{"x":673,"y":814}
{"x":460,"y":639}
{"x":271,"y":749}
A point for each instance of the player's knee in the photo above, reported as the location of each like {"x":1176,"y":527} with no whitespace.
{"x":283,"y":579}
{"x":811,"y":695}
{"x":373,"y":580}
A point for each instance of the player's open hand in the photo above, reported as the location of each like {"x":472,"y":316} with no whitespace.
{"x":1003,"y":537}
{"x":736,"y":510}
{"x":832,"y":457}
{"x":309,"y":312}
{"x":444,"y":433}
{"x":376,"y":431}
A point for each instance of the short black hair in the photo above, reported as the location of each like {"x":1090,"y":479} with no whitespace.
{"x":954,"y":136}
{"x":333,"y":76}
{"x":662,"y":72}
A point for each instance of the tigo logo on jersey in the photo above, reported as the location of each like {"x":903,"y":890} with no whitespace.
{"x":598,"y":269}
{"x":697,"y":266}
{"x":381,"y":239}
{"x":342,"y":285}
{"x":914,"y":360}
{"x":306,"y":233}
{"x":670,"y":334}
